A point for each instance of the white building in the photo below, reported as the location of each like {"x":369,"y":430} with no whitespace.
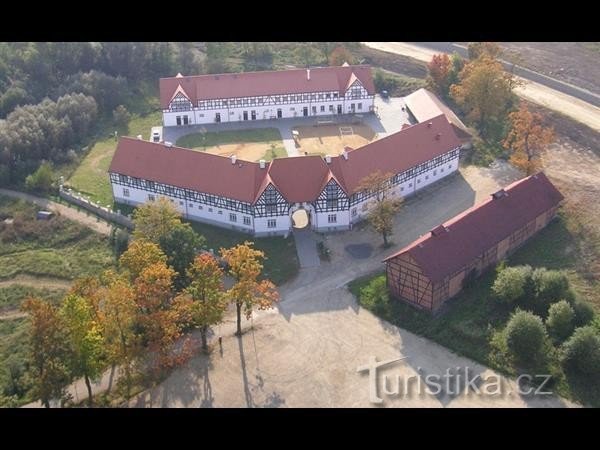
{"x":237,"y":97}
{"x":260,"y":198}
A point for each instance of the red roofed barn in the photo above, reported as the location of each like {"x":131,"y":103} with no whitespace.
{"x":433,"y":268}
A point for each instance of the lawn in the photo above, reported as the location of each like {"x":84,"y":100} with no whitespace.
{"x":249,"y":145}
{"x":91,"y":177}
{"x":281,"y":263}
{"x":471,"y":319}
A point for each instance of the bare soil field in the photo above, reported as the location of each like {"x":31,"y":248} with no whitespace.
{"x":251,"y":151}
{"x":328,"y":139}
{"x":577,"y":63}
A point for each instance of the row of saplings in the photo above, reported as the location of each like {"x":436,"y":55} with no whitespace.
{"x":138,"y":318}
{"x":549,"y":322}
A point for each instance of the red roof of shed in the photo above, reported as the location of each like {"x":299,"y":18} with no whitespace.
{"x":456,"y":243}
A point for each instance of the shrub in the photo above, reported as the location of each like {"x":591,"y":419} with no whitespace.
{"x":511,"y":284}
{"x":374,"y":296}
{"x":561,"y":320}
{"x":584,"y":313}
{"x":120,"y":241}
{"x":550,"y":286}
{"x":581,"y":353}
{"x":121,"y":116}
{"x":41,"y":180}
{"x":525,"y":336}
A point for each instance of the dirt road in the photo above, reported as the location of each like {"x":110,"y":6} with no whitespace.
{"x":570,"y":106}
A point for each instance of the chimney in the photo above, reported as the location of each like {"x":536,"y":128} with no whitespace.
{"x":262,"y":163}
{"x":328,"y":159}
{"x":233,"y":159}
{"x":308,"y":74}
{"x":168,"y":144}
{"x":139,"y":136}
{"x":429,"y":124}
{"x":345,"y":155}
{"x":501,"y":193}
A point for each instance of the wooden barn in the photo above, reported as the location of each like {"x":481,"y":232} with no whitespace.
{"x":435,"y":267}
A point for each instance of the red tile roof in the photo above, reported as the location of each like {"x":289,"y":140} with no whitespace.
{"x":298,"y":179}
{"x":425,"y":105}
{"x":395,"y":153}
{"x":246,"y":84}
{"x":455,"y":244}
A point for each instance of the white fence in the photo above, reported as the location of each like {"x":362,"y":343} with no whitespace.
{"x":102,"y":211}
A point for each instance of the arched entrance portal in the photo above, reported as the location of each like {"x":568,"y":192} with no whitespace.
{"x":300,"y":219}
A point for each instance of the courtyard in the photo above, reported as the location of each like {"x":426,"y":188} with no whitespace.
{"x":324,"y":336}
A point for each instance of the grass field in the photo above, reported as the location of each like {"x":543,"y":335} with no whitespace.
{"x":473,"y":317}
{"x":249,"y":145}
{"x":328,"y":140}
{"x":91,"y":177}
{"x":281,"y":262}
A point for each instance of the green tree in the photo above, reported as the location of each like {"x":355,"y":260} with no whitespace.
{"x":511,"y":284}
{"x":155,"y":219}
{"x":584,"y":313}
{"x":525,"y":337}
{"x":561,"y":320}
{"x":550,"y":286}
{"x":85,"y":340}
{"x":181,"y":245}
{"x":121,"y":117}
{"x":41,"y":180}
{"x":581,"y":353}
{"x":140,"y":255}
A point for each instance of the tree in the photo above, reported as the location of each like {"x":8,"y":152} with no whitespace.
{"x":484,"y":91}
{"x":155,"y":219}
{"x":525,"y":336}
{"x":477,"y":49}
{"x":457,"y":64}
{"x":181,"y":245}
{"x":383,"y":210}
{"x":340,"y":55}
{"x":41,"y":180}
{"x":584,"y":313}
{"x":48,"y":350}
{"x":118,"y":319}
{"x":121,"y":117}
{"x":561,"y":320}
{"x":207,"y":294}
{"x":307,"y":54}
{"x":511,"y":284}
{"x":245,"y":266}
{"x":439,"y":69}
{"x":140,"y":255}
{"x":550,"y":286}
{"x":84,"y":338}
{"x":581,"y":352}
{"x":527,"y":139}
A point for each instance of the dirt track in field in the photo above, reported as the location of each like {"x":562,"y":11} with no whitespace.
{"x":327,"y":139}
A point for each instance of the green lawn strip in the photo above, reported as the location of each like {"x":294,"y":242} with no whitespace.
{"x":469,"y":321}
{"x":12,"y":296}
{"x":281,"y":262}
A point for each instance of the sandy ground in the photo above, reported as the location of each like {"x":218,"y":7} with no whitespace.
{"x":244,"y":151}
{"x":535,"y":92}
{"x":327,"y":140}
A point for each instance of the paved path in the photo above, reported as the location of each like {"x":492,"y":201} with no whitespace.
{"x":83,"y":218}
{"x":533,"y":91}
{"x":306,"y":352}
{"x":306,"y":247}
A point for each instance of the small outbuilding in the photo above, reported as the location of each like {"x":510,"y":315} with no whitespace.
{"x":44,"y":215}
{"x":435,"y":267}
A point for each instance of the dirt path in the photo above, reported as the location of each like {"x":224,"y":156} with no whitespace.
{"x":570,"y":106}
{"x":70,"y":213}
{"x":37,"y":282}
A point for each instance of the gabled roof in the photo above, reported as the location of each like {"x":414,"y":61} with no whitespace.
{"x":395,"y":153}
{"x":456,"y":243}
{"x":299,"y":179}
{"x":425,"y":105}
{"x":246,"y":84}
{"x":181,"y":91}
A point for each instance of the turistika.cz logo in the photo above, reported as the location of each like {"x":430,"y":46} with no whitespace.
{"x":453,"y":382}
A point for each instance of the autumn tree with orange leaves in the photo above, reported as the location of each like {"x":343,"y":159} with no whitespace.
{"x":527,"y":139}
{"x":439,"y":69}
{"x":245,"y":266}
{"x":491,"y":49}
{"x":340,"y":55}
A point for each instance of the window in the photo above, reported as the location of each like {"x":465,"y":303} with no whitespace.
{"x":232,"y":217}
{"x":271,"y":223}
{"x":191,"y":205}
{"x":151,"y":197}
{"x":332,"y":218}
{"x":427,"y":177}
{"x":178,"y":120}
{"x":270,"y":202}
{"x":210,"y":210}
{"x":125,"y":192}
{"x":292,"y":109}
{"x":200,"y":207}
{"x":335,"y":95}
{"x":314,"y":109}
{"x":364,"y":207}
{"x":149,"y":184}
{"x":434,"y":172}
{"x":180,"y":104}
{"x":360,"y":106}
{"x":409,"y":184}
{"x":327,"y":96}
{"x":246,"y":220}
{"x":322,"y":108}
{"x":354,"y":212}
{"x":401,"y":188}
{"x":418,"y":180}
{"x":180,"y":203}
{"x":442,"y":169}
{"x":330,"y":108}
{"x":449,"y":166}
{"x":285,"y":99}
{"x":220,"y":212}
{"x":331,"y":196}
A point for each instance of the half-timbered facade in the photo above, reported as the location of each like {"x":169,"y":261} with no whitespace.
{"x":249,"y":96}
{"x":260,"y":198}
{"x":435,"y":267}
